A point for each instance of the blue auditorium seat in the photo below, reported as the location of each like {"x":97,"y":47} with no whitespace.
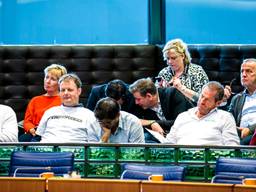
{"x":142,"y":172}
{"x":32,"y":164}
{"x":234,"y":170}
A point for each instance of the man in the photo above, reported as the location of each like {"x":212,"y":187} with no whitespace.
{"x":114,"y":126}
{"x":158,"y":106}
{"x":115,"y":89}
{"x":68,"y":122}
{"x":8,"y":124}
{"x":243,"y":105}
{"x":205,"y":124}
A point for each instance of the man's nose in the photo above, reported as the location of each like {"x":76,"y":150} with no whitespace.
{"x":202,"y":101}
{"x":243,"y":73}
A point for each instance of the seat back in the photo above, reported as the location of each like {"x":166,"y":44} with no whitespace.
{"x":234,"y":170}
{"x":142,"y":172}
{"x":32,"y":164}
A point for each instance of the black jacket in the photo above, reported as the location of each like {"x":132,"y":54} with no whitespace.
{"x":172,"y":103}
{"x":98,"y":92}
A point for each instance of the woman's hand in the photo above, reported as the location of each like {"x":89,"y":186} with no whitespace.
{"x":32,"y":131}
{"x":176,"y":82}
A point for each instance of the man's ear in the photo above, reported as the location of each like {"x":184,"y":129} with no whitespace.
{"x":218,"y":103}
{"x":149,"y":95}
{"x":79,"y":91}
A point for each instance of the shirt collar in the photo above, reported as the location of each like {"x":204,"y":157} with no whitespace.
{"x":77,"y":105}
{"x":194,"y":110}
{"x":119,"y":124}
{"x":246,"y":92}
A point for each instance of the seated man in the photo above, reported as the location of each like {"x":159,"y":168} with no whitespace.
{"x":8,"y":124}
{"x":115,"y":89}
{"x":243,"y":105}
{"x":158,"y":106}
{"x":205,"y":124}
{"x":114,"y":126}
{"x":68,"y":122}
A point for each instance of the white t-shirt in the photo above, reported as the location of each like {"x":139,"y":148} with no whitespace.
{"x":8,"y":124}
{"x":65,"y":124}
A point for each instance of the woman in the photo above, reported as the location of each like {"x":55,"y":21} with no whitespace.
{"x":180,"y":73}
{"x":39,"y":104}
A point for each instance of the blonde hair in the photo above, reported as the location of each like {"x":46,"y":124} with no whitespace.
{"x":55,"y":69}
{"x":180,"y":47}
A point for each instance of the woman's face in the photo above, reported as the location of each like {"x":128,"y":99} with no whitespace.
{"x":175,"y":60}
{"x":51,"y":83}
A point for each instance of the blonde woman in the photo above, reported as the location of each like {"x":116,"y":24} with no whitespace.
{"x":39,"y":104}
{"x":187,"y":77}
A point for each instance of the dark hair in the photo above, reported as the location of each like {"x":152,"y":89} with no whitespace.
{"x":116,"y":89}
{"x":106,"y":108}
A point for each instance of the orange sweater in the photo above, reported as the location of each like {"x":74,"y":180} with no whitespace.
{"x":36,"y":108}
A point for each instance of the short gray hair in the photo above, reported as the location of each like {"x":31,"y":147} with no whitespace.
{"x":249,"y":60}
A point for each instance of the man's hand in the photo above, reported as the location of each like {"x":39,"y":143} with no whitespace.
{"x":227,"y":93}
{"x":153,"y":125}
{"x":106,"y":134}
{"x":156,"y":127}
{"x":244,"y":131}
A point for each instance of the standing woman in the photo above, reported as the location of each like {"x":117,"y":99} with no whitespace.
{"x":39,"y":104}
{"x":180,"y":73}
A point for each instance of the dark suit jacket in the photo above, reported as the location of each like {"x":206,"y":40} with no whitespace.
{"x":236,"y":107}
{"x":98,"y":92}
{"x":172,"y":103}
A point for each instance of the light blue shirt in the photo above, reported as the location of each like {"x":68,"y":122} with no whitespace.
{"x":129,"y":130}
{"x":249,"y":111}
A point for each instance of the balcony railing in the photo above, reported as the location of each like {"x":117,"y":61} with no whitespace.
{"x":96,"y":160}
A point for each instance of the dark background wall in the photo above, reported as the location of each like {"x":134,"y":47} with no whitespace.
{"x":126,"y":22}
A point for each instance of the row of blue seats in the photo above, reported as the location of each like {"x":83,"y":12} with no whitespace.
{"x":32,"y":164}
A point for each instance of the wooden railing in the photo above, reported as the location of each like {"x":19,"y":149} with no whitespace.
{"x":10,"y":184}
